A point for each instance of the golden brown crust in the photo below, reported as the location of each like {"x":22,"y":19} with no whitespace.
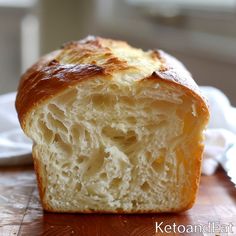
{"x":94,"y":49}
{"x":174,"y":71}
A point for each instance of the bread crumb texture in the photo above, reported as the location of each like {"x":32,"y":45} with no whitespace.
{"x":120,"y":140}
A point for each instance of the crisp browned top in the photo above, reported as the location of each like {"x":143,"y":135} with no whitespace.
{"x":92,"y":57}
{"x":56,"y":71}
{"x":39,"y":83}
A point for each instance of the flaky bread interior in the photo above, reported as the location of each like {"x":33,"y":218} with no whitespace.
{"x":120,"y":142}
{"x":103,"y":146}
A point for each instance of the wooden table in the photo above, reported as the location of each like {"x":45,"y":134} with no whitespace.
{"x":21,"y":212}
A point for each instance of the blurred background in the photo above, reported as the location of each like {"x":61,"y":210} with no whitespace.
{"x":202,"y":34}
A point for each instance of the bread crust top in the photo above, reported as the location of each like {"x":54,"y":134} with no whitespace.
{"x":89,"y":58}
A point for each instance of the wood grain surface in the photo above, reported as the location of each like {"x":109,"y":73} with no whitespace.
{"x":21,"y":212}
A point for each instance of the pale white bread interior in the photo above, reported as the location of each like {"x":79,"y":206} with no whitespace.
{"x":119,"y":142}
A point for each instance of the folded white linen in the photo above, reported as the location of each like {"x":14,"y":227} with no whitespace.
{"x":218,"y":143}
{"x":15,"y":147}
{"x":220,"y":140}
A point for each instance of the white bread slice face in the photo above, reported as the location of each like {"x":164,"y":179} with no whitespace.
{"x":124,"y":139}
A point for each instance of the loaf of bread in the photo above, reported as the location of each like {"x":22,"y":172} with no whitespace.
{"x":115,"y":129}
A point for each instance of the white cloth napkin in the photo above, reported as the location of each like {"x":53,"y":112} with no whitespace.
{"x":15,"y":147}
{"x":220,"y":140}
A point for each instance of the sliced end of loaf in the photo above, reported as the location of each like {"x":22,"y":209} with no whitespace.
{"x":110,"y":146}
